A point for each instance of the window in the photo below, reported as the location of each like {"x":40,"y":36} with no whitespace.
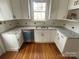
{"x":39,"y":10}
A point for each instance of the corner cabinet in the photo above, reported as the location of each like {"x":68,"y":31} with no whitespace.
{"x":44,"y":35}
{"x":65,"y":46}
{"x":5,"y":10}
{"x":73,"y":4}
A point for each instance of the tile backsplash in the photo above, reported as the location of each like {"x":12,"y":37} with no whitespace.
{"x":6,"y":25}
{"x":40,"y":23}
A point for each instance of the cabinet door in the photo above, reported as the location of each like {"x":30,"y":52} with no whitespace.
{"x":38,"y":35}
{"x":42,"y":36}
{"x":59,"y":9}
{"x":46,"y":36}
{"x":20,"y":9}
{"x":20,"y":39}
{"x":52,"y":35}
{"x":61,"y":41}
{"x":49,"y":35}
{"x":25,"y":9}
{"x":10,"y":41}
{"x":62,"y":9}
{"x":2,"y":49}
{"x":5,"y":10}
{"x":16,"y":8}
{"x":1,"y":52}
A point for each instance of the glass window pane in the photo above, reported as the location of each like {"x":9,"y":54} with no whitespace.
{"x":39,"y":6}
{"x":39,"y":15}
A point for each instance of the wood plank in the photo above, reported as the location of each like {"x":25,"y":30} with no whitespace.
{"x":36,"y":51}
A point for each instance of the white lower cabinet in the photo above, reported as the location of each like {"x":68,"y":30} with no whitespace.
{"x":44,"y":35}
{"x":12,"y":40}
{"x":2,"y":48}
{"x":67,"y":46}
{"x":60,"y":42}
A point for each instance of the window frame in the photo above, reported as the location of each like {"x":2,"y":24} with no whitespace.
{"x":39,"y":12}
{"x":47,"y":9}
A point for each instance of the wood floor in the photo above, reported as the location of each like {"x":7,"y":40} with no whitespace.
{"x":36,"y":51}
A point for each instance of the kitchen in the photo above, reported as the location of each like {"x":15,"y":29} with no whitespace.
{"x":39,"y":29}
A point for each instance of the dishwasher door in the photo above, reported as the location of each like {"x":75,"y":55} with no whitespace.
{"x":28,"y":36}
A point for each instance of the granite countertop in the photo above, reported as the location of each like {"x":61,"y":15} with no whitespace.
{"x":14,"y":31}
{"x":66,"y":32}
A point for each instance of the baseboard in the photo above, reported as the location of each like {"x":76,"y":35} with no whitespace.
{"x":13,"y":49}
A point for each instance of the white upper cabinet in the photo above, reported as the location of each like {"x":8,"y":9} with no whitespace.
{"x":16,"y":8}
{"x":59,"y":9}
{"x":25,"y":9}
{"x":73,"y":4}
{"x":5,"y":10}
{"x":20,"y":9}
